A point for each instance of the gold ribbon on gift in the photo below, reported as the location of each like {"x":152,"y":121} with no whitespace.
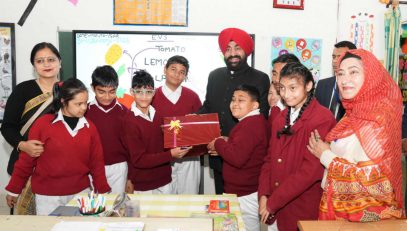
{"x":175,"y":125}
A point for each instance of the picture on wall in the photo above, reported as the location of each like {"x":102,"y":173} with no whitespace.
{"x":7,"y":64}
{"x":148,"y":12}
{"x":308,"y":51}
{"x":362,"y":30}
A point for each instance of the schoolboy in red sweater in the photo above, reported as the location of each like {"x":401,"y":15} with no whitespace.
{"x":172,"y":99}
{"x":105,"y":112}
{"x":72,"y":150}
{"x":149,"y":167}
{"x":243,"y":152}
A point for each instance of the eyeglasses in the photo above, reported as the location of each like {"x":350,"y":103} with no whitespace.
{"x":50,"y":60}
{"x":146,"y":92}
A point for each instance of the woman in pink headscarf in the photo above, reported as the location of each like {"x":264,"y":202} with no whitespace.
{"x":362,"y":180}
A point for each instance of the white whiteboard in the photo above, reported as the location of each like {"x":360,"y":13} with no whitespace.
{"x":130,"y":51}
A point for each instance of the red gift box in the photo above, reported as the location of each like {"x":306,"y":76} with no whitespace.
{"x":190,"y":130}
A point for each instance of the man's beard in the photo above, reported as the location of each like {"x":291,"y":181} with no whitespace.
{"x":235,"y":66}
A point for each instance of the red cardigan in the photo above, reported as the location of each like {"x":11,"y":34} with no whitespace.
{"x":108,"y":126}
{"x":187,"y":103}
{"x":291,"y":176}
{"x":274,"y":111}
{"x":63,"y":167}
{"x":243,"y":155}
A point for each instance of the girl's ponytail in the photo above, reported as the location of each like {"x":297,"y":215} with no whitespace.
{"x":56,"y":92}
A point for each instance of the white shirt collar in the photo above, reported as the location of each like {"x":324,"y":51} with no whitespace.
{"x":252,"y":113}
{"x":95,"y":102}
{"x":280,"y":105}
{"x":138,"y":112}
{"x":294,"y":114}
{"x":81,"y":123}
{"x":172,"y":96}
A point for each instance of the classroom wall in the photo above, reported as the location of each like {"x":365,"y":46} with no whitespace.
{"x":317,"y":20}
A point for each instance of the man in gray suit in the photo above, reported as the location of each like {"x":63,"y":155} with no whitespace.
{"x":327,"y":92}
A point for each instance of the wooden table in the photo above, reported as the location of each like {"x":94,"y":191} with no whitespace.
{"x":386,"y":225}
{"x":45,"y":223}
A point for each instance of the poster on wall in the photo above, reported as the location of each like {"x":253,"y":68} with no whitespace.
{"x":362,"y":22}
{"x":7,"y":64}
{"x":307,"y":50}
{"x":361,"y":31}
{"x":149,"y":12}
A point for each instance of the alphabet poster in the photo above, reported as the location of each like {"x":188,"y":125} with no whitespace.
{"x":308,"y":51}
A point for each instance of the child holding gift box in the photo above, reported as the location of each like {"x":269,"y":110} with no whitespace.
{"x":172,"y":99}
{"x":243,"y":152}
{"x":105,"y":112}
{"x":72,"y":150}
{"x":149,"y":166}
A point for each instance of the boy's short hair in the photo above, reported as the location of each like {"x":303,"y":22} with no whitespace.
{"x":348,"y":44}
{"x":178,"y":59}
{"x":286,"y":58}
{"x":252,"y":91}
{"x":142,"y":78}
{"x":105,"y":76}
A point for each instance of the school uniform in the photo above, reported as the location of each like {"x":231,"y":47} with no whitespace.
{"x":291,"y":176}
{"x":63,"y":168}
{"x":243,"y":155}
{"x":149,"y":164}
{"x":107,"y":120}
{"x":186,"y":172}
{"x":274,"y":111}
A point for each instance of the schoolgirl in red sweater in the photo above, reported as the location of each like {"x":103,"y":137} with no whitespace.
{"x":72,"y":151}
{"x":290,"y":180}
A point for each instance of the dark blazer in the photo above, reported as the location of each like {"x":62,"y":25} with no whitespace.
{"x":219,"y":92}
{"x":323,"y":93}
{"x":291,"y":176}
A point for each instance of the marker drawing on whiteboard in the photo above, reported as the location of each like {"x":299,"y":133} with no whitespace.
{"x":133,"y":67}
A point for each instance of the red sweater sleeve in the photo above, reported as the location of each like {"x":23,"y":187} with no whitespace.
{"x":24,"y":167}
{"x":237,"y":150}
{"x":97,"y":163}
{"x":309,"y":173}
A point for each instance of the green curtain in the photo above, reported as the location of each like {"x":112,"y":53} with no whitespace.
{"x":392,"y":39}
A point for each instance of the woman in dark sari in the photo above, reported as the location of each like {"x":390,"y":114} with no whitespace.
{"x":27,"y":102}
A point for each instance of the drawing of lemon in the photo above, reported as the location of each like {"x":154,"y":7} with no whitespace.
{"x":113,"y":54}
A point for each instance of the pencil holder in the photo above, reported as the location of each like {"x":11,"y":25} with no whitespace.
{"x":92,"y":204}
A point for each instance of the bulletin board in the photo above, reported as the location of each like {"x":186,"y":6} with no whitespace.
{"x":127,"y":52}
{"x":7,"y":64}
{"x":148,"y":12}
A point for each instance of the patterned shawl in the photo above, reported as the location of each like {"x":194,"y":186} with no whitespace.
{"x":374,"y":116}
